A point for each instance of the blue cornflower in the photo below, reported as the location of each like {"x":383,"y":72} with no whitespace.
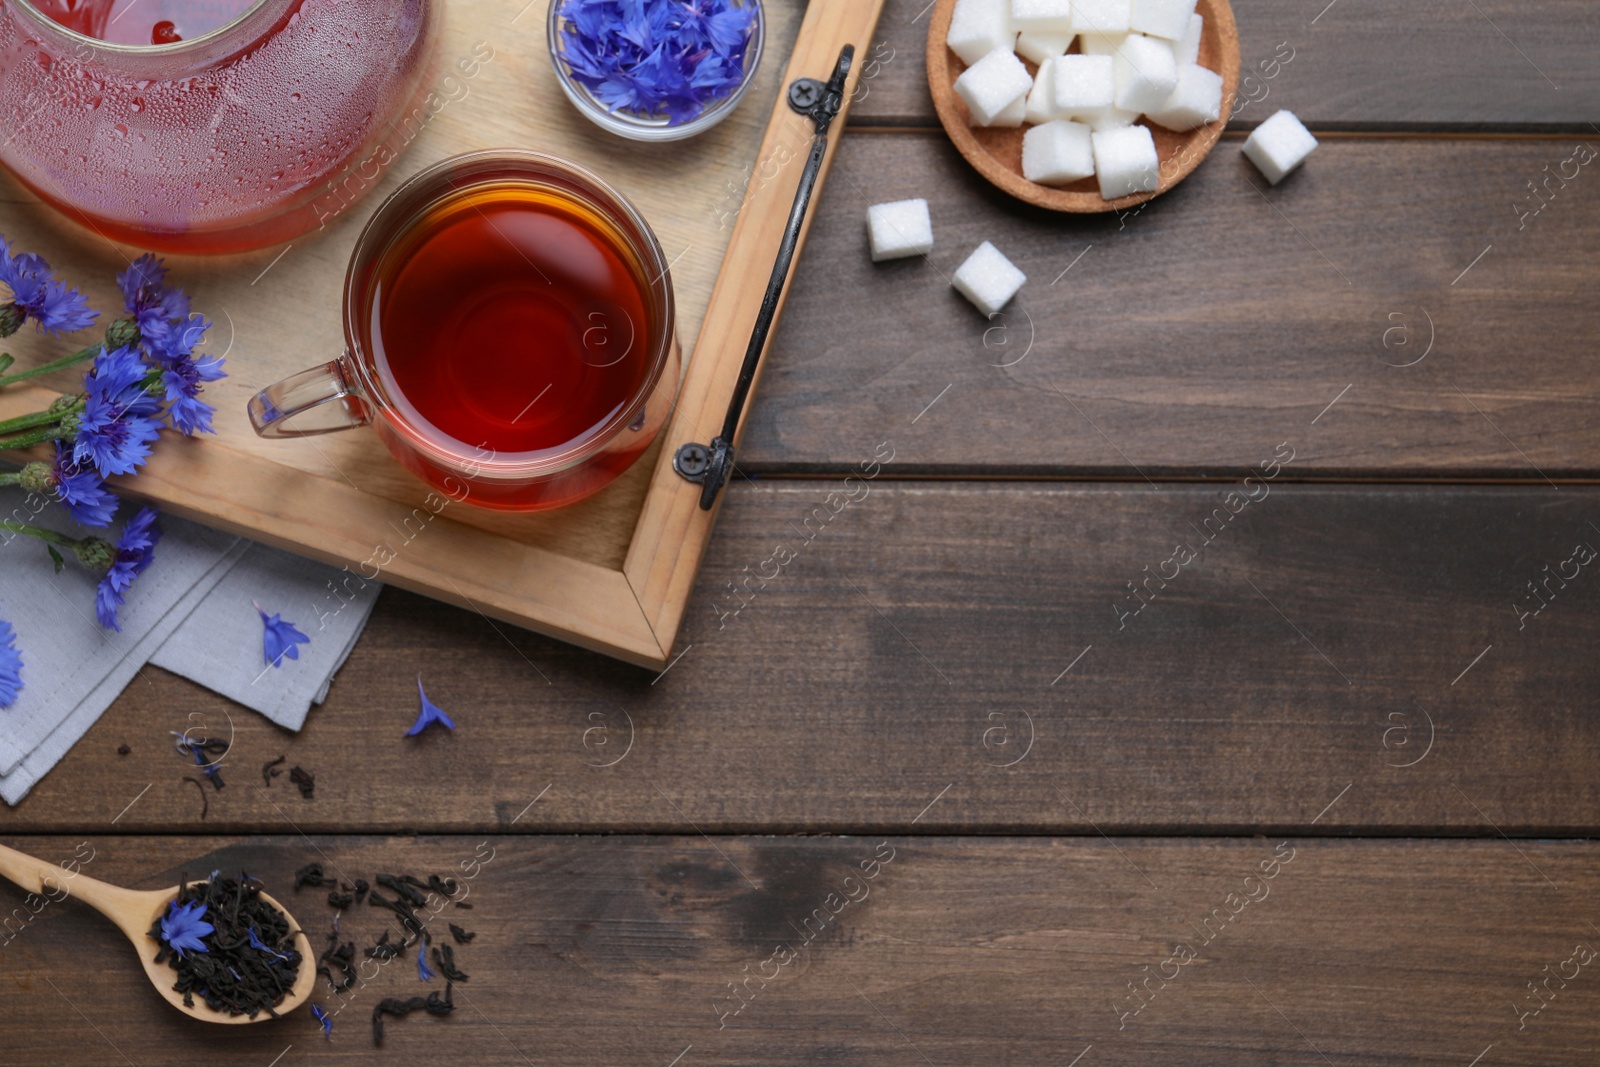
{"x":141,"y":282}
{"x":280,"y":638}
{"x":424,"y":972}
{"x":134,"y":551}
{"x":169,"y":335}
{"x":184,"y":925}
{"x":184,"y":374}
{"x":10,"y":666}
{"x":258,"y":944}
{"x":657,"y":57}
{"x":53,"y":307}
{"x":82,"y":491}
{"x":324,"y":1018}
{"x":119,"y":420}
{"x":429,"y":714}
{"x":146,"y":297}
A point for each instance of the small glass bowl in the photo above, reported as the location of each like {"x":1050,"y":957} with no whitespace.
{"x":634,"y":128}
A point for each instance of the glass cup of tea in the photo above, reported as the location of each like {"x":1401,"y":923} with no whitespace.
{"x":509,"y":331}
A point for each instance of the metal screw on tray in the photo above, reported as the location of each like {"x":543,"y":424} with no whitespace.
{"x":709,"y":465}
{"x":804,"y":93}
{"x":691,"y":461}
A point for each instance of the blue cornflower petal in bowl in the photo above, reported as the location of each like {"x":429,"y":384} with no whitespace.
{"x":656,"y":70}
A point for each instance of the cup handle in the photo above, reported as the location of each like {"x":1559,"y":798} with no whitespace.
{"x":314,"y":401}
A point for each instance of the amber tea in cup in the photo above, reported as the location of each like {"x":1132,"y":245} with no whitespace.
{"x":509,"y":319}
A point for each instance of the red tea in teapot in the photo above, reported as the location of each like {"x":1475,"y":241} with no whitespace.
{"x":511,"y":318}
{"x":213,"y":125}
{"x":143,"y":22}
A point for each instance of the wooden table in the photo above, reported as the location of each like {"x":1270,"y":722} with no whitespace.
{"x":1329,"y":796}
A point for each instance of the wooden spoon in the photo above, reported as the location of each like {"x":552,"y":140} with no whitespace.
{"x":134,"y":911}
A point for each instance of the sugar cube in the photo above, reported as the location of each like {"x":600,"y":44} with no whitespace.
{"x":1162,"y":18}
{"x":988,"y":279}
{"x":1186,"y":49}
{"x":1279,"y":145}
{"x":1146,"y":73}
{"x":978,"y":27}
{"x":1046,"y":16}
{"x":1057,"y":153}
{"x":994,"y":83}
{"x":899,"y":229}
{"x":1101,"y":16}
{"x":1083,"y":84}
{"x":1042,"y":100}
{"x":1196,"y":101}
{"x":1125,"y":161}
{"x":1039,"y":48}
{"x":1109,"y":119}
{"x":1100,"y":44}
{"x":1015,"y":114}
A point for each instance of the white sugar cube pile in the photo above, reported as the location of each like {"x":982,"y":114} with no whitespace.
{"x":1279,"y":145}
{"x":988,"y":279}
{"x":1041,"y":16}
{"x":1146,"y":73}
{"x":1194,"y":101}
{"x":978,"y":27}
{"x":1037,"y":47}
{"x":899,"y":230}
{"x":1098,"y":67}
{"x":1084,"y":85}
{"x":1057,"y":153}
{"x":1042,"y":98}
{"x":993,"y":84}
{"x":1125,"y":161}
{"x":1101,"y":17}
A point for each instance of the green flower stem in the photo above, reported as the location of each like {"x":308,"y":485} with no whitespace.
{"x":33,"y":437}
{"x":41,"y":533}
{"x":11,"y":478}
{"x":6,"y":359}
{"x":83,"y":355}
{"x":37,"y":419}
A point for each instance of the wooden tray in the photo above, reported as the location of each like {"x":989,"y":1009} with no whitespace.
{"x":612,"y":573}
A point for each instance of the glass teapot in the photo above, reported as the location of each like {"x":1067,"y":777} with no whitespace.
{"x":265,"y":123}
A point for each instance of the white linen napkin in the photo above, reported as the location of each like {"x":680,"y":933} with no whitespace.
{"x":191,"y":612}
{"x":72,"y":666}
{"x":219,"y":644}
{"x":66,"y":652}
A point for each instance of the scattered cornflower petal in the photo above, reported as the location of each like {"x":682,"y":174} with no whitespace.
{"x":132,"y":554}
{"x":10,"y":666}
{"x":184,"y":925}
{"x":279,"y":638}
{"x":424,"y":972}
{"x":257,"y":943}
{"x":324,"y":1018}
{"x":430,"y":714}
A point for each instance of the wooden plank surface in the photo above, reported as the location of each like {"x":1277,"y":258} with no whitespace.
{"x":1001,"y":951}
{"x":1355,"y":64}
{"x":1172,"y":342}
{"x":910,"y":647}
